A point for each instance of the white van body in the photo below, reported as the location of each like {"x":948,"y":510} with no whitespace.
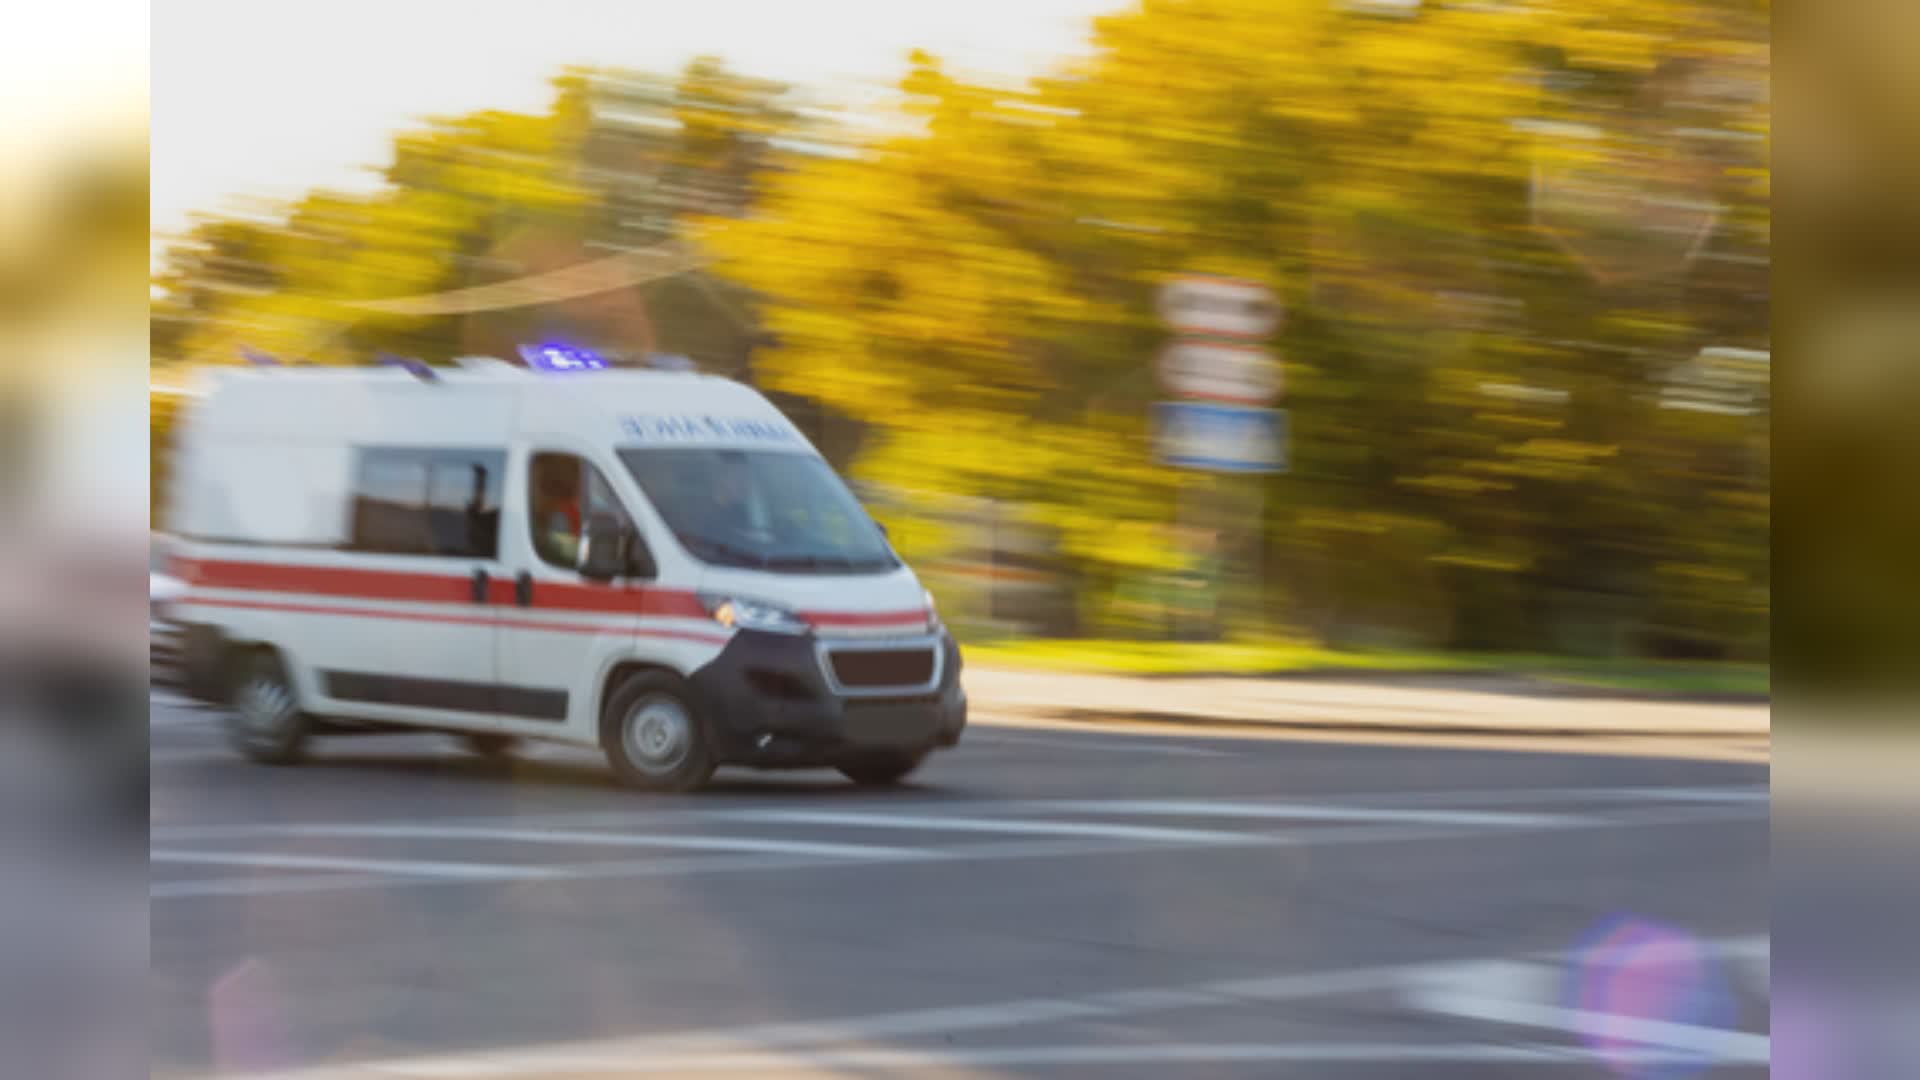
{"x":385,"y":540}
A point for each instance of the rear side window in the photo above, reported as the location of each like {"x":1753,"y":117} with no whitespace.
{"x":412,"y":501}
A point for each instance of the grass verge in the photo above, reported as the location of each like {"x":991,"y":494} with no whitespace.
{"x":1264,"y":658}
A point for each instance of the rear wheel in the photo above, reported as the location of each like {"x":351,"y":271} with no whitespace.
{"x":265,"y":722}
{"x":654,"y":735}
{"x":880,"y":769}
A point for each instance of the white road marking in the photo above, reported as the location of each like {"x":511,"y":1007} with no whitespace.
{"x":670,"y":866}
{"x":1010,"y":826}
{"x":576,"y":837}
{"x":1069,"y":838}
{"x":263,"y":886}
{"x":1466,"y":801}
{"x":1304,"y":812}
{"x":407,"y":867}
{"x":757,"y":1048}
{"x":1468,"y":797}
{"x":1735,"y":795}
{"x":1517,"y":994}
{"x":1108,"y":842}
{"x":1711,"y":1044}
{"x":937,"y":1063}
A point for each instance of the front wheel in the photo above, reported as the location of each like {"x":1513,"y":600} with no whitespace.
{"x":653,"y":734}
{"x":880,"y":770}
{"x":265,"y":722}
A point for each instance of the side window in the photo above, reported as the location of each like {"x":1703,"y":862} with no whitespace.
{"x":410,"y":501}
{"x":564,"y":491}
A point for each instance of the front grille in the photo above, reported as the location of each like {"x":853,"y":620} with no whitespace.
{"x":865,"y":668}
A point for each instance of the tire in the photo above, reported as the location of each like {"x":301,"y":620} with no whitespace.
{"x":654,"y":734}
{"x":264,"y":722}
{"x":490,"y":746}
{"x":880,"y":769}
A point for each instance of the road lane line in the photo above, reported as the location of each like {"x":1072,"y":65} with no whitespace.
{"x":755,"y":1047}
{"x":668,"y":866}
{"x":1740,"y":795}
{"x":1009,"y":826}
{"x":1702,"y":1043}
{"x":262,"y":886}
{"x":1522,"y":994}
{"x":943,"y":1062}
{"x":1463,"y":800}
{"x":1304,"y":812}
{"x":1095,"y":845}
{"x":1470,"y":797}
{"x":405,"y":867}
{"x":345,"y":831}
{"x":1075,"y":842}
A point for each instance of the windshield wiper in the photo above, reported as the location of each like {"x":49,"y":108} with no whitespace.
{"x":846,"y":563}
{"x":809,"y":562}
{"x":726,"y":552}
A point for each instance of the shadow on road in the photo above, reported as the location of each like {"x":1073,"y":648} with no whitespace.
{"x":587,"y":774}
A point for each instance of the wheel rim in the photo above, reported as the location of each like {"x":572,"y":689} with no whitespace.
{"x":264,"y":705}
{"x":658,"y":734}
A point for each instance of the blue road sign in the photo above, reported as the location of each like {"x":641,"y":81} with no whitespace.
{"x":1220,"y":438}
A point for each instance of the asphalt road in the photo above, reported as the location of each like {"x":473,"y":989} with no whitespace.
{"x":1066,"y":904}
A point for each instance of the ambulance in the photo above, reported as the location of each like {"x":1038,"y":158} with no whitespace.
{"x":656,"y":564}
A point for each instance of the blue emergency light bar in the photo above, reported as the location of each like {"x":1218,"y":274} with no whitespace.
{"x":562,"y":359}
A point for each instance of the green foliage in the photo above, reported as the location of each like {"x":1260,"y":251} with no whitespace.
{"x":1499,"y":231}
{"x":1481,"y":455}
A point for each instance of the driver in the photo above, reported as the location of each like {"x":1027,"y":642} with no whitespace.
{"x":559,"y":511}
{"x":728,"y":515}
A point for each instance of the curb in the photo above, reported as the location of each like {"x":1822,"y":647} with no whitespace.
{"x":1145,"y":717}
{"x":1506,"y":684}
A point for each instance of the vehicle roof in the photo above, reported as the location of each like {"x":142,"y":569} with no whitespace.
{"x":303,"y":404}
{"x":474,"y":371}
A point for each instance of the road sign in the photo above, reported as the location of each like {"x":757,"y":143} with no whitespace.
{"x":1228,"y":307}
{"x":1220,"y":438}
{"x":1215,"y":371}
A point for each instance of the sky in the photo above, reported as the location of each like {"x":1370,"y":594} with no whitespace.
{"x":73,"y":77}
{"x":254,"y":99}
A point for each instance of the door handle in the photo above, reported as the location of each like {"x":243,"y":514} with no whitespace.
{"x":523,"y":589}
{"x":480,"y":582}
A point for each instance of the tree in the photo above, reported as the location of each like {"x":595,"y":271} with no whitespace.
{"x":1480,"y":457}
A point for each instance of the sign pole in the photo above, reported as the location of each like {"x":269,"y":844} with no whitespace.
{"x":1221,"y":380}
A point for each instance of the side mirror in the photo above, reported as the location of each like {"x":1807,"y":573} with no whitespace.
{"x":639,"y":560}
{"x":603,"y":548}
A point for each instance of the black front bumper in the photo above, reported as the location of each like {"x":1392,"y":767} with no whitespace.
{"x":769,"y":704}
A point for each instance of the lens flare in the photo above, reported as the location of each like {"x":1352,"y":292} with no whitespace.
{"x":1631,"y":970}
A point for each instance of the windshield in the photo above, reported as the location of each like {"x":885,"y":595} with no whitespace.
{"x":760,"y":509}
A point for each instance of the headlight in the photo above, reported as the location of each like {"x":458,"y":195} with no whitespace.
{"x":933,"y":613}
{"x":740,"y":613}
